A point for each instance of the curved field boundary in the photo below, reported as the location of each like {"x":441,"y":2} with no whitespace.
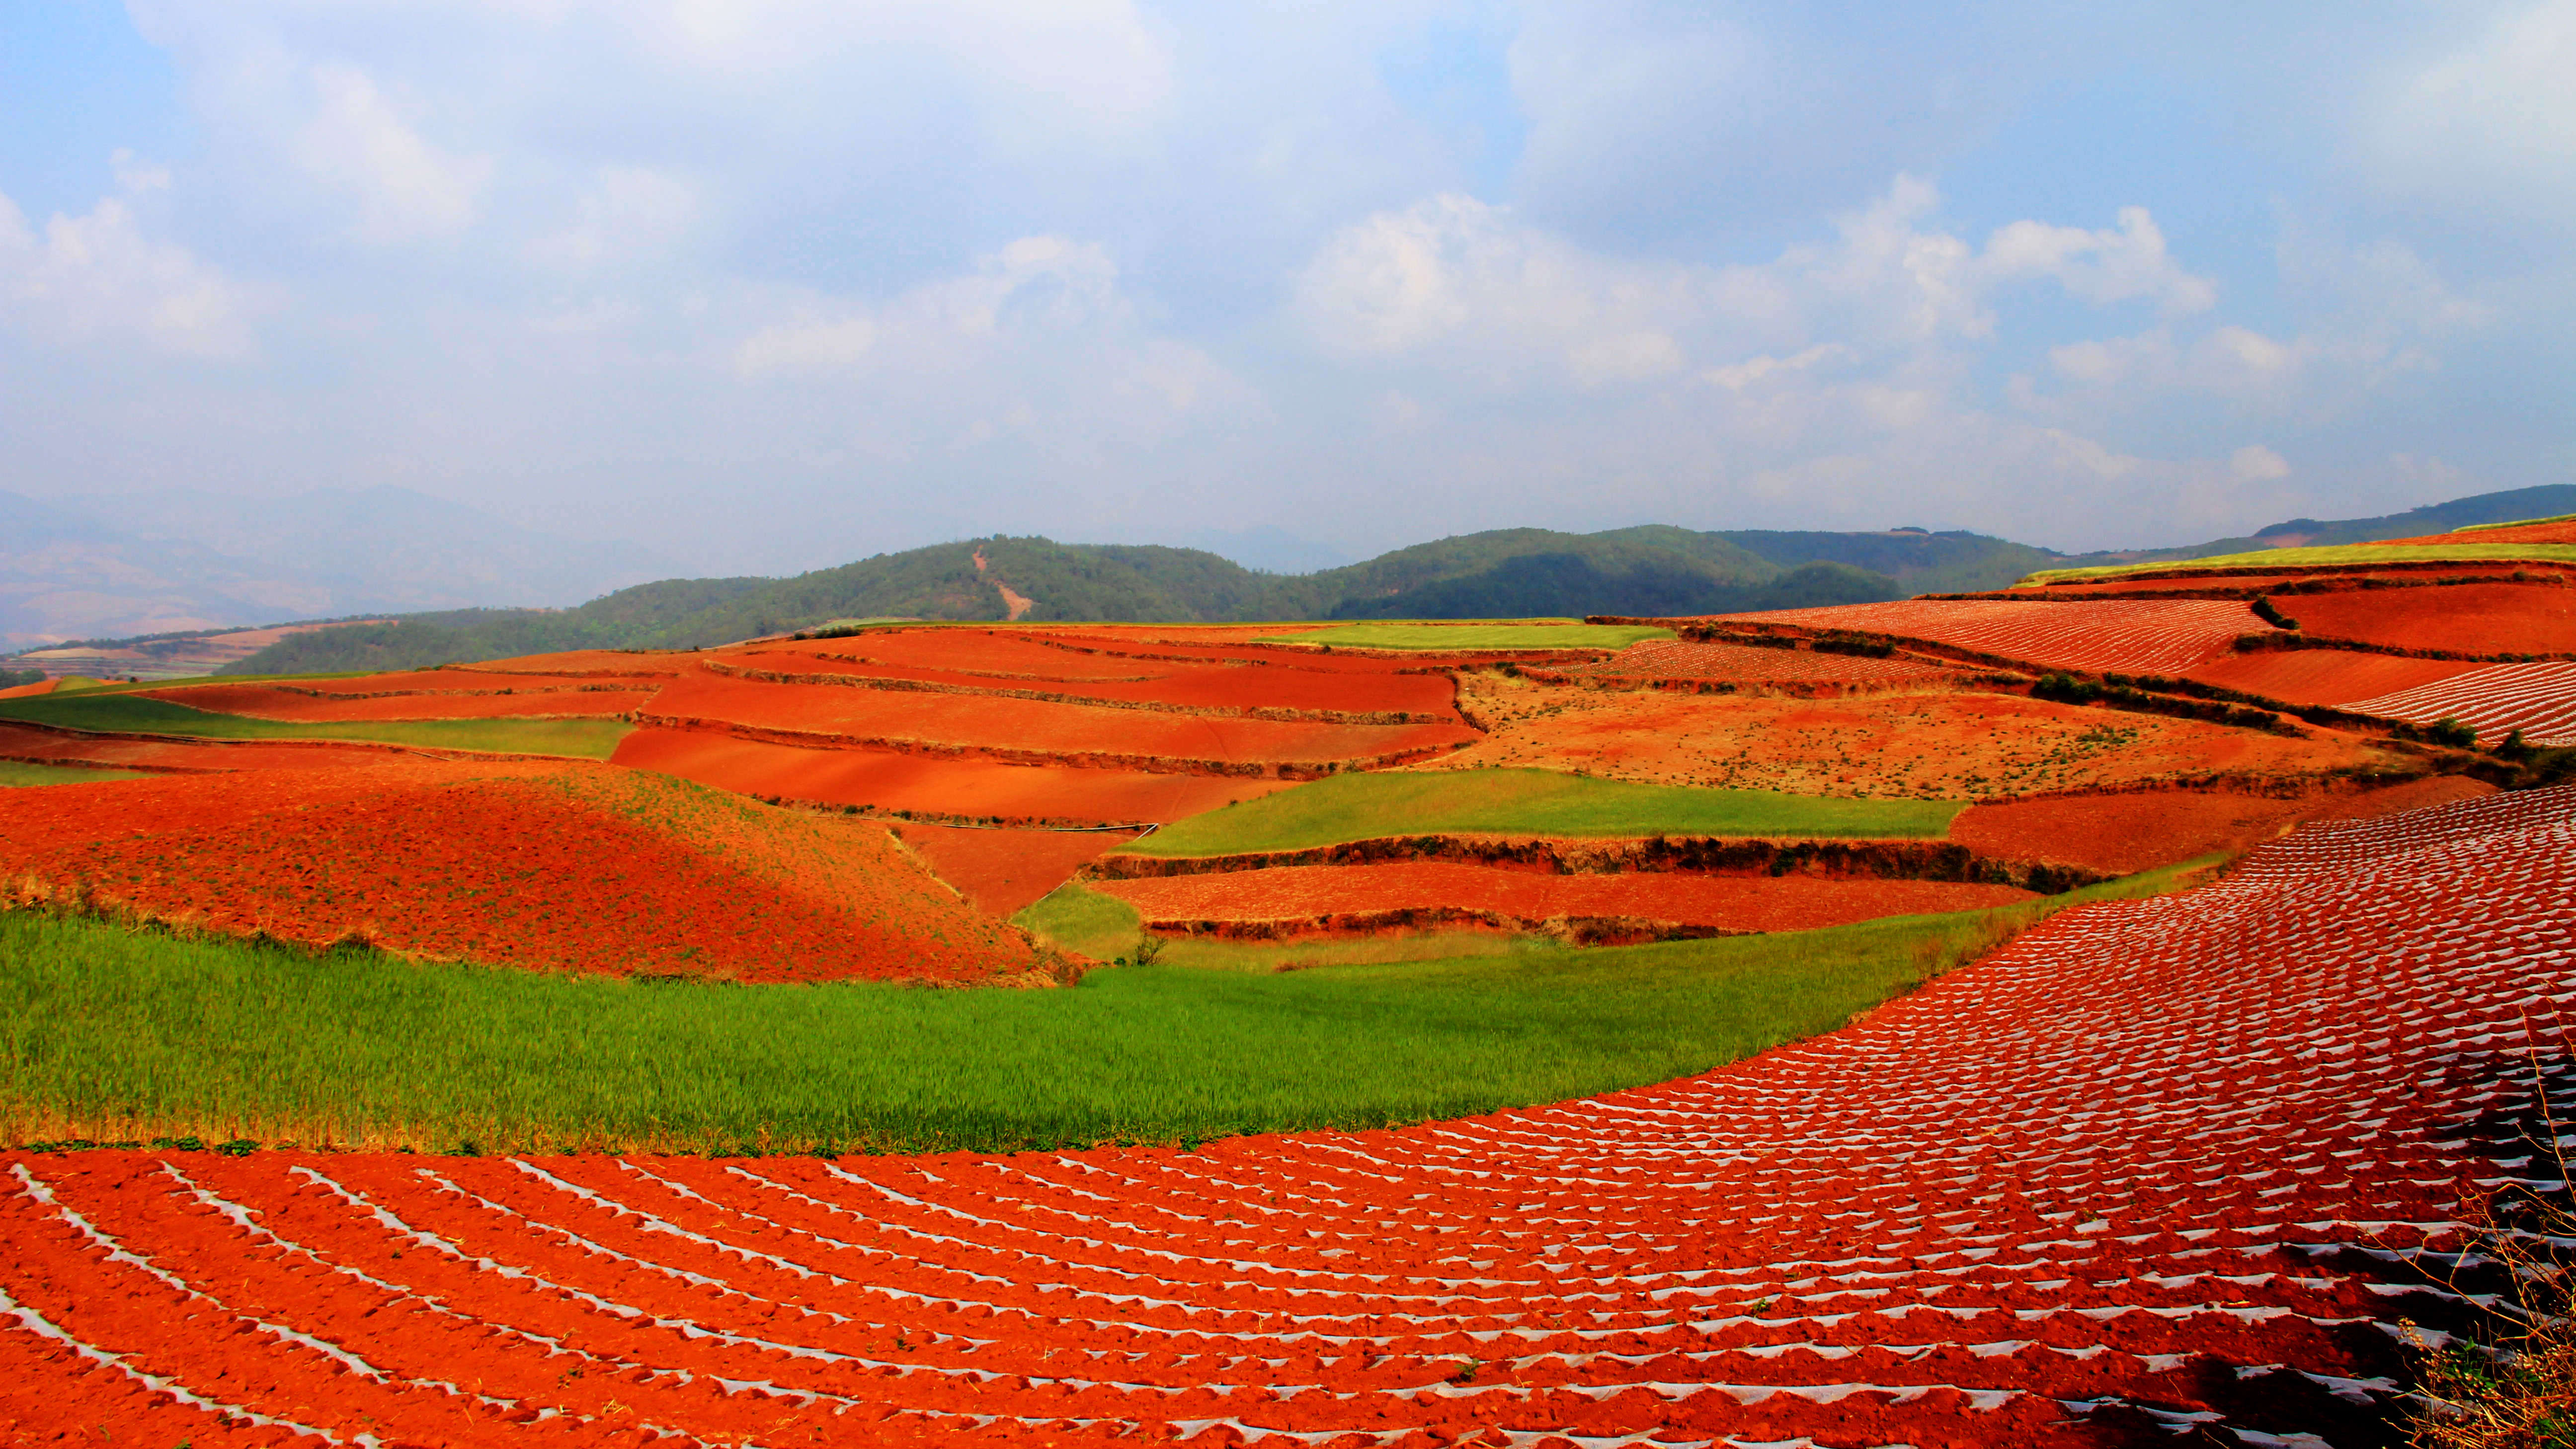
{"x":1931,"y":860}
{"x":1071,"y":759}
{"x":2537,"y":699}
{"x":1279,"y":713}
{"x":1294,"y":656}
{"x":2154,"y":1163}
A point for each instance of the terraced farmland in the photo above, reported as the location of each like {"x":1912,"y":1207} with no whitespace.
{"x":2129,"y":636}
{"x":2538,"y":699}
{"x":2156,"y":1164}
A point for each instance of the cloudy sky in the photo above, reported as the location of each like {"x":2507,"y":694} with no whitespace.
{"x":770,"y":284}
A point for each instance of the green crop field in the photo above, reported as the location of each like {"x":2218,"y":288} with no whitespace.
{"x":1568,"y":635}
{"x":112,"y":1034}
{"x":1529,"y":802}
{"x":128,"y":713}
{"x":13,"y":772}
{"x":2347,"y":555}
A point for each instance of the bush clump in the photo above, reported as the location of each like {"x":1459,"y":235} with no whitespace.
{"x":2270,"y":613}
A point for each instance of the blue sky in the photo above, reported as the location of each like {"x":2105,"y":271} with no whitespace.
{"x":772,"y":284}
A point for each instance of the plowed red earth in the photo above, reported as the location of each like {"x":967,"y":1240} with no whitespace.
{"x":2323,"y":676}
{"x":1679,"y":659}
{"x":24,"y":691}
{"x":259,"y":702}
{"x":1037,"y":727}
{"x":888,"y":781}
{"x":2463,"y":618}
{"x":2121,"y":834}
{"x":1004,"y":870}
{"x":1317,"y":893}
{"x":2538,"y":699}
{"x":470,"y":679}
{"x":2129,"y":636}
{"x":2156,"y":1163}
{"x":578,"y":868}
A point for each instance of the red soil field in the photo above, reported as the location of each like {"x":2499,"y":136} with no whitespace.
{"x":1037,"y":728}
{"x":888,"y":781}
{"x":553,"y":867}
{"x":1228,"y":687}
{"x":1946,"y":745}
{"x":2122,"y":834}
{"x":1316,"y":893}
{"x":2538,"y":699}
{"x":259,"y":702}
{"x":2130,"y":636}
{"x":24,"y":691}
{"x":2323,"y":676}
{"x":463,"y":679}
{"x":20,"y":742}
{"x":1680,"y":659}
{"x":585,"y":664}
{"x":2462,"y":618}
{"x":2155,"y":1162}
{"x":1002,"y":871}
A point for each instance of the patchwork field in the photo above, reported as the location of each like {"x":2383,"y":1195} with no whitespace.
{"x":1519,"y":1032}
{"x":1901,"y":1231}
{"x":1948,"y":744}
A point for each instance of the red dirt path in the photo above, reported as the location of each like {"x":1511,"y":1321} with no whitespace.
{"x":927,"y":784}
{"x":1002,"y":871}
{"x":2154,"y":1162}
{"x":2464,"y":618}
{"x":579,"y":868}
{"x":1729,"y":903}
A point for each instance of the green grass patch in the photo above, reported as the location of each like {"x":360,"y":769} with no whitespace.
{"x":1529,"y":802}
{"x":13,"y":772}
{"x":112,"y":1034}
{"x":129,"y":713}
{"x":1569,"y":635}
{"x":2347,"y":555}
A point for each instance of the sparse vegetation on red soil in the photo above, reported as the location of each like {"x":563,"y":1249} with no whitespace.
{"x":577,"y":868}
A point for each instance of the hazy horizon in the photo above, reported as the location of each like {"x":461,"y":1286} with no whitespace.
{"x":775,"y":286}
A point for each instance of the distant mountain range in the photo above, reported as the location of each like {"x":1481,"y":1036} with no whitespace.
{"x":156,"y":563}
{"x":1652,"y":570}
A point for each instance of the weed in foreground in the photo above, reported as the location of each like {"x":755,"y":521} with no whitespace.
{"x":2510,"y":1382}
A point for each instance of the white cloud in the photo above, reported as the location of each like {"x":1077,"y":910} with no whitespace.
{"x":2257,"y":464}
{"x":627,"y":211}
{"x":359,"y":144}
{"x":2101,"y":266}
{"x":2496,"y":113}
{"x":99,"y":275}
{"x":808,"y":345}
{"x":1736,"y":377}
